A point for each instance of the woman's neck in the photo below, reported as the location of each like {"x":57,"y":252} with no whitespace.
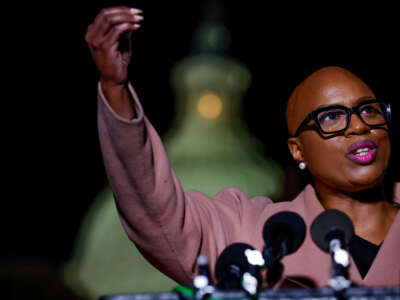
{"x":371,"y":214}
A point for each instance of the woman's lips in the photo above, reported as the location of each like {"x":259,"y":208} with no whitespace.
{"x":363,"y":152}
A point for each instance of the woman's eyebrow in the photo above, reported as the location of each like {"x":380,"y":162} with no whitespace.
{"x":365,"y":98}
{"x":330,"y":105}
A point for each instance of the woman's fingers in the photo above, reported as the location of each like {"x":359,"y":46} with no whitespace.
{"x":114,"y":34}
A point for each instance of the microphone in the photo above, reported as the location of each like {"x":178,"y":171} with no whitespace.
{"x":332,"y":231}
{"x":331,"y":224}
{"x":283,"y":234}
{"x":238,"y":268}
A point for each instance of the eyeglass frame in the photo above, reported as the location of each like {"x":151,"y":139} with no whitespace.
{"x":349,"y":111}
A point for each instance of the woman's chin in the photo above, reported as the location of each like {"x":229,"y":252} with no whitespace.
{"x":364,"y":182}
{"x":365,"y":177}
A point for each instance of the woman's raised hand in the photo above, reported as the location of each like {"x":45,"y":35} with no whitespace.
{"x":109,"y":40}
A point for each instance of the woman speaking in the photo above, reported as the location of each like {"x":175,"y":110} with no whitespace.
{"x":338,"y":132}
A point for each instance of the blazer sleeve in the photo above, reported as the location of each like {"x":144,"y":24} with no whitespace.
{"x":170,"y":227}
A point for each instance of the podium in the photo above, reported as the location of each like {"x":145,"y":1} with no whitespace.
{"x":352,"y":293}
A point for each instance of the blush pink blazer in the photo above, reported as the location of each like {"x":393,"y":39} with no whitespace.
{"x":171,"y":227}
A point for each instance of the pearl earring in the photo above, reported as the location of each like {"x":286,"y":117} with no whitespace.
{"x":302,"y":165}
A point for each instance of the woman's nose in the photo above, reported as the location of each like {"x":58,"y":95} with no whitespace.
{"x":356,"y":126}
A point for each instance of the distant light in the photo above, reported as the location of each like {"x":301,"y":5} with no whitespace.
{"x":209,"y":106}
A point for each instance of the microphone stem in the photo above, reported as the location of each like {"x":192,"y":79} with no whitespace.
{"x":273,"y":254}
{"x":283,"y":251}
{"x":339,"y":269}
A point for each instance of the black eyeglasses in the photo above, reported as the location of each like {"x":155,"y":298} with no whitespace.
{"x":336,"y":118}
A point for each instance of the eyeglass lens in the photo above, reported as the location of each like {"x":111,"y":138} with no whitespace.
{"x":336,"y":119}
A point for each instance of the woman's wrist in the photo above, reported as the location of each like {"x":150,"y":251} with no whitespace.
{"x":118,"y":97}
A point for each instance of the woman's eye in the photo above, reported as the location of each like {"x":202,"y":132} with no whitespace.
{"x":330,"y":116}
{"x":369,"y":109}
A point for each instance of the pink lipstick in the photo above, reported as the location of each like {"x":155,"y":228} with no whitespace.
{"x":363,"y":152}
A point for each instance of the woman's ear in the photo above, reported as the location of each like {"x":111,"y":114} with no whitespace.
{"x":296,"y":149}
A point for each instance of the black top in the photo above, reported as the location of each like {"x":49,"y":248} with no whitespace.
{"x":363,"y":253}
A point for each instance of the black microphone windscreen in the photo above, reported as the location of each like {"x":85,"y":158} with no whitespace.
{"x":285,"y":224}
{"x":329,"y":222}
{"x":232,"y":260}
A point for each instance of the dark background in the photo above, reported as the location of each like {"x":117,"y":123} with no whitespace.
{"x":53,"y":164}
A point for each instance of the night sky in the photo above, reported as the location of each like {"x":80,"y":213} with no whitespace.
{"x":51,"y":135}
